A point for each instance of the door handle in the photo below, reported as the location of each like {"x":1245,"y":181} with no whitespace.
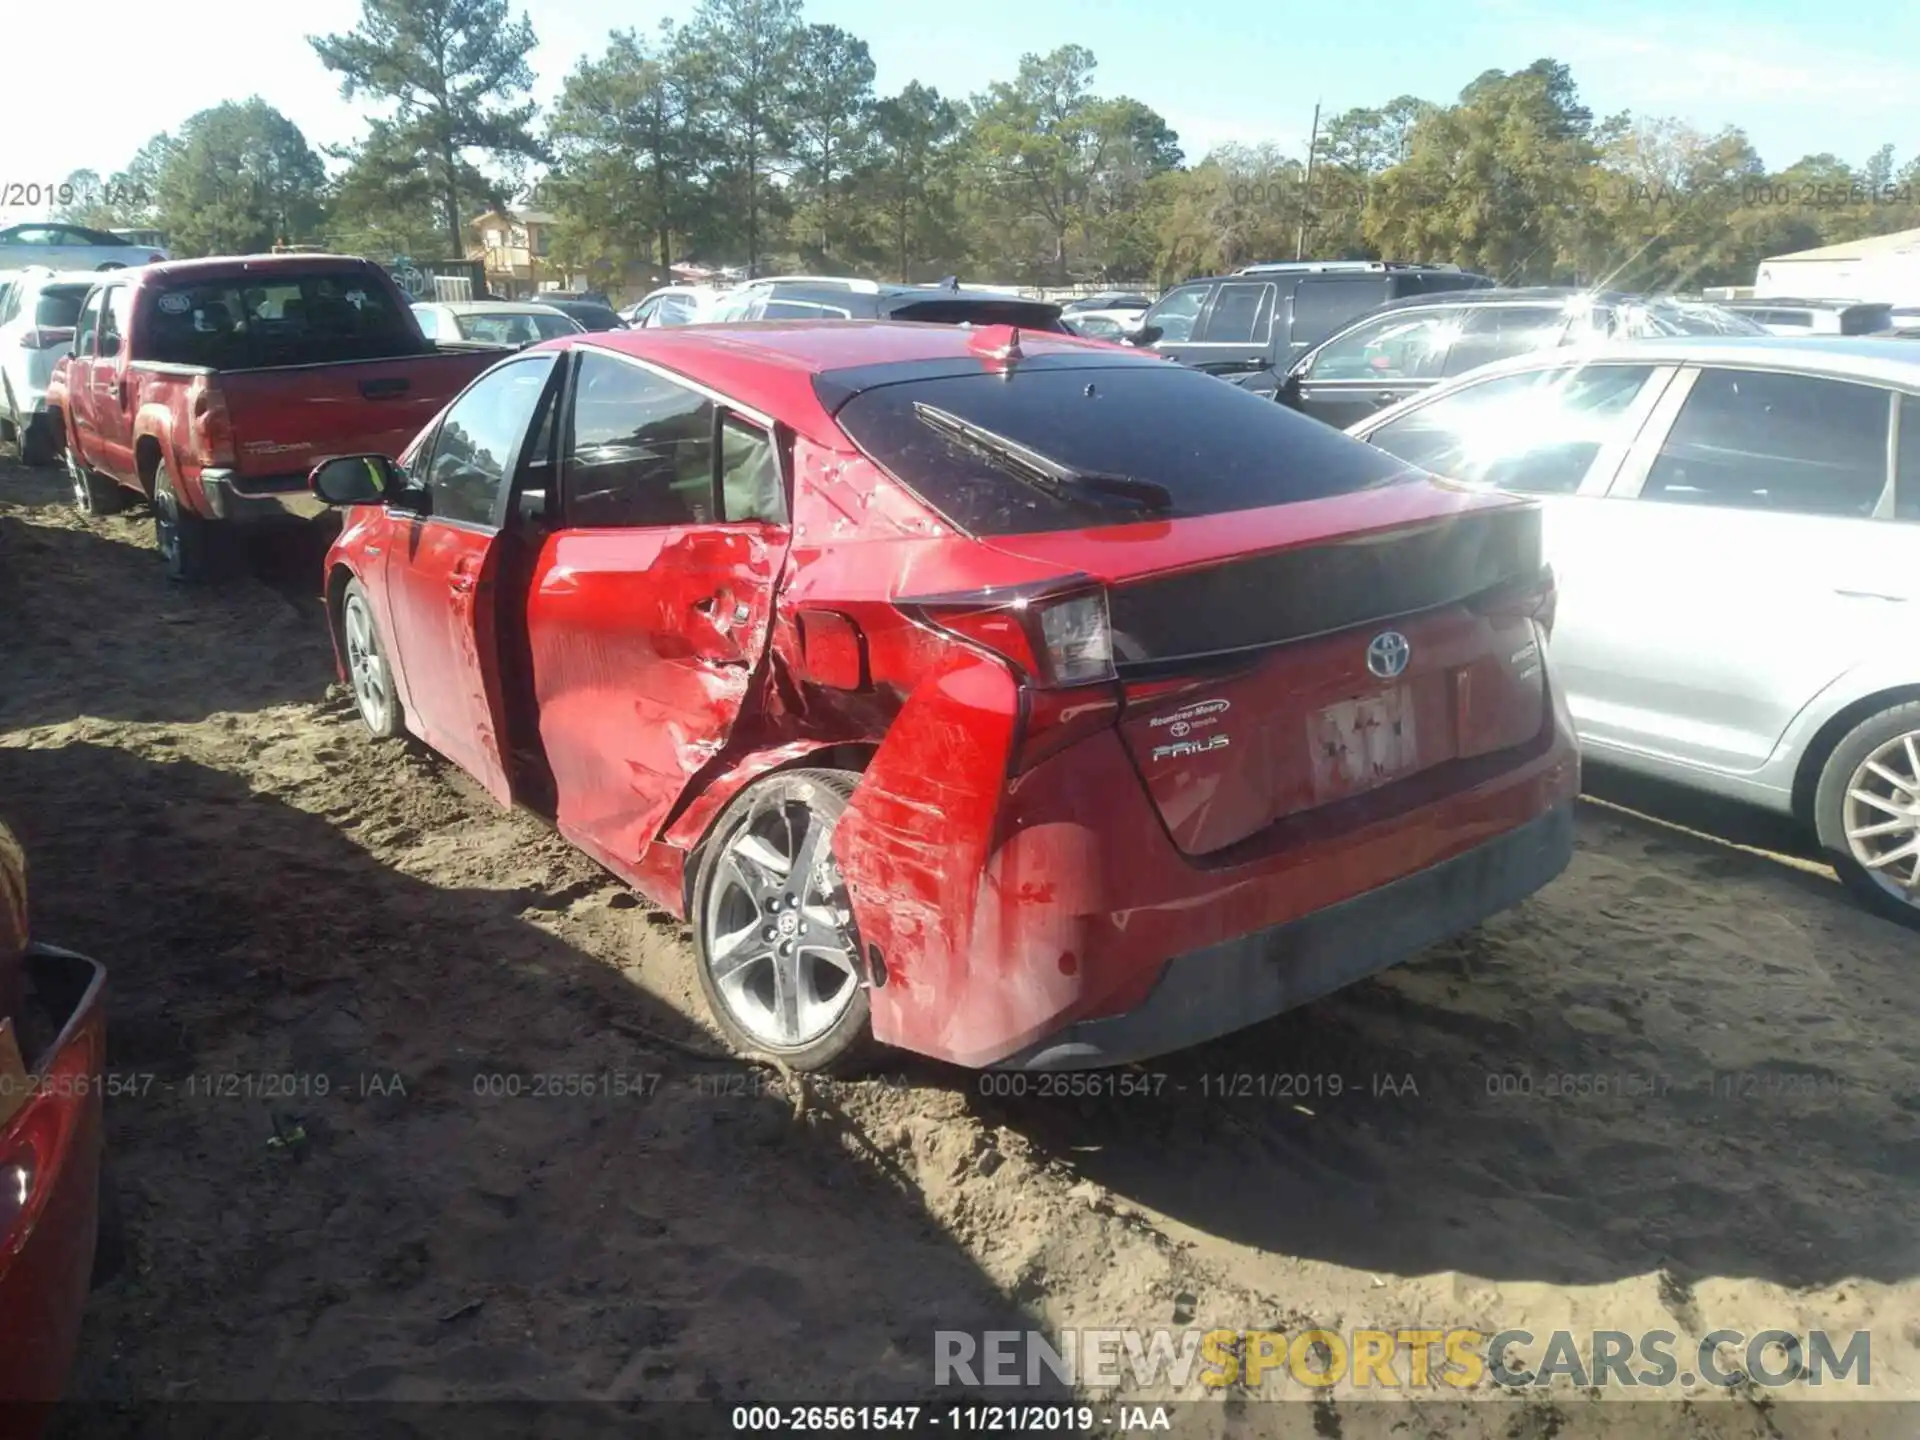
{"x":1872,"y":595}
{"x":461,"y":581}
{"x":1386,"y":397}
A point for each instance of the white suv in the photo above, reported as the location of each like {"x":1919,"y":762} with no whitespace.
{"x":38,"y":311}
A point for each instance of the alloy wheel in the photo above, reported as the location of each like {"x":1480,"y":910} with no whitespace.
{"x":1882,"y":816}
{"x":365,"y":667}
{"x":779,"y":929}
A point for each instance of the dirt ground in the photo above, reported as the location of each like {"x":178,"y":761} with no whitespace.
{"x":276,"y":896}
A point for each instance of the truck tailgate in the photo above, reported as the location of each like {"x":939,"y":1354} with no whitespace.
{"x":290,"y":417}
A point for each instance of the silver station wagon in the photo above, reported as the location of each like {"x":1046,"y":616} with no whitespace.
{"x":1735,"y":524}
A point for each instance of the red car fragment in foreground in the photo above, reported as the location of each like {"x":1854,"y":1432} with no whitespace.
{"x":50,"y":1151}
{"x":1016,"y":700}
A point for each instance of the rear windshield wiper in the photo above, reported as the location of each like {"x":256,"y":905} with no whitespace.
{"x":1043,"y":473}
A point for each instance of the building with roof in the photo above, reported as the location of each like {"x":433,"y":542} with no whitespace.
{"x":1878,"y":267}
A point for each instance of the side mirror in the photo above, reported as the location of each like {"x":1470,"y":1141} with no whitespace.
{"x":353,"y":479}
{"x":1145,"y":335}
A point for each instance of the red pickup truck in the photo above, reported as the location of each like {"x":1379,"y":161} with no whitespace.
{"x":211,"y":387}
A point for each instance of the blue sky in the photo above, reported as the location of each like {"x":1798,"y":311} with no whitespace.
{"x":1795,"y":80}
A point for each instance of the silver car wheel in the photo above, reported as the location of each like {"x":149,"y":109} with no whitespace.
{"x":368,"y":671}
{"x":779,"y":929}
{"x":1882,"y":816}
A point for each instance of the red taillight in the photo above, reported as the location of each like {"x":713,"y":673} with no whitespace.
{"x":1060,"y":647}
{"x":46,"y":337}
{"x":1054,"y":639}
{"x":212,"y":425}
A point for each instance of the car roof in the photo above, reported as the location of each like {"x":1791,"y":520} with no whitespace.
{"x":43,"y":275}
{"x":770,"y":366}
{"x":216,"y":265}
{"x":1796,"y":302}
{"x":492,"y":307}
{"x":1844,"y":357}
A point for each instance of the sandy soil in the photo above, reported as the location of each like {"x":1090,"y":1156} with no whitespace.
{"x":275,"y":895}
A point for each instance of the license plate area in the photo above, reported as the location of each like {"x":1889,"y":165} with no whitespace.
{"x":1362,"y":744}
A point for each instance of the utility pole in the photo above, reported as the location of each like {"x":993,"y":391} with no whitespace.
{"x":1306,"y":192}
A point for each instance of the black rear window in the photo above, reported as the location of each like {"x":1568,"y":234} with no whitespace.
{"x":248,"y":322}
{"x":59,"y":306}
{"x":1213,"y":446}
{"x":1028,"y":315}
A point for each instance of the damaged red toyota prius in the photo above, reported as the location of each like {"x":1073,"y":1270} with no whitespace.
{"x":1013,"y":699}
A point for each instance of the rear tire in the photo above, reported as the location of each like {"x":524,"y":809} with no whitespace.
{"x":93,"y":494}
{"x":779,"y":957}
{"x":1867,"y":811}
{"x":185,"y":540}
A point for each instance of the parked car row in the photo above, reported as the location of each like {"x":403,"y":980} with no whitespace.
{"x":762,"y":615}
{"x":209,"y":388}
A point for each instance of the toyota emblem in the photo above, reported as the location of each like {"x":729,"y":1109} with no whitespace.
{"x":1388,"y":654}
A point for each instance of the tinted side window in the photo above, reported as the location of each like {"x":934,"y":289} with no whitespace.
{"x":1241,"y":315}
{"x":89,"y":325}
{"x":1176,"y":314}
{"x":1406,"y":346}
{"x":801,"y":310}
{"x":1755,"y":440}
{"x":640,"y":449}
{"x":474,"y":453}
{"x":750,"y":487}
{"x":113,"y":320}
{"x":1322,"y":304}
{"x":1537,"y":432}
{"x":1906,"y":499}
{"x":1497,"y":332}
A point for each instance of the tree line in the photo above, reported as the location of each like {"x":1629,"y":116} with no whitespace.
{"x":748,"y":136}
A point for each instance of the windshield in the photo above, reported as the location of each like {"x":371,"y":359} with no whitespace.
{"x":1646,"y":318}
{"x":243,"y":323}
{"x":1117,"y":442}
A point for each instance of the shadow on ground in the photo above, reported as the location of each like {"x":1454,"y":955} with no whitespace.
{"x":378,"y":1139}
{"x":1680,"y":1055}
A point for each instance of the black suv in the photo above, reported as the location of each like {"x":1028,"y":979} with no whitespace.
{"x":1249,"y":327}
{"x":811,"y":297}
{"x":1409,"y":345}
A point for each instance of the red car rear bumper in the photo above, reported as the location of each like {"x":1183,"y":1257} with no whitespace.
{"x":1051,"y":922}
{"x":50,"y":1155}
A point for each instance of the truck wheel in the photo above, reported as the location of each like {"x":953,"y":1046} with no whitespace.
{"x":779,"y":958}
{"x":184,"y":539}
{"x":374,"y":693}
{"x":1867,"y":809}
{"x":93,"y":494}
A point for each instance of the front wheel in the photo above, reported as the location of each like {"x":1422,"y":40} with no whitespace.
{"x":374,"y":695}
{"x":1867,"y":809}
{"x":779,"y":957}
{"x":93,"y":493}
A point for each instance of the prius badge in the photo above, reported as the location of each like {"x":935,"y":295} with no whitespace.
{"x":1388,"y":654}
